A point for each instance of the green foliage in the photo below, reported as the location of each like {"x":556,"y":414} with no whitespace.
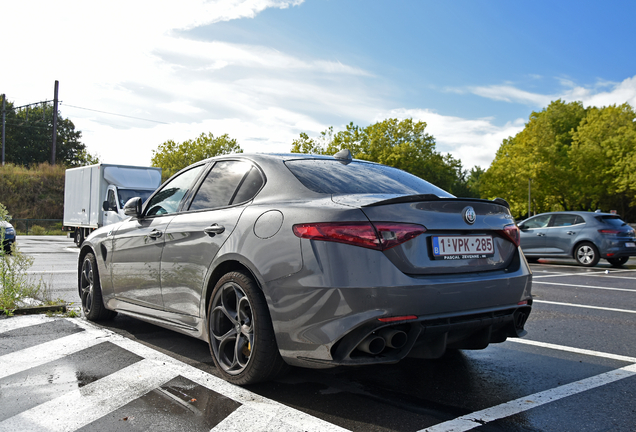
{"x":33,"y":193}
{"x":402,"y":144}
{"x":38,"y":230}
{"x":15,"y":285}
{"x":172,"y":157}
{"x":29,"y":136}
{"x":576,"y":158}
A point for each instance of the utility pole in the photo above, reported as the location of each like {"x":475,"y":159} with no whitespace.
{"x":529,"y":197}
{"x":3,"y":122}
{"x":54,"y":122}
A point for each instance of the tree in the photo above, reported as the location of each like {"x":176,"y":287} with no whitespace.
{"x":539,"y":153}
{"x":402,"y":144}
{"x":172,"y":156}
{"x":604,"y":152}
{"x":29,"y":134}
{"x":577,"y":159}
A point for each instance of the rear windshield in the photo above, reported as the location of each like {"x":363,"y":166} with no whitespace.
{"x":611,"y":220}
{"x":334,"y":177}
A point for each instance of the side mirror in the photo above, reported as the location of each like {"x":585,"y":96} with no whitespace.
{"x":105,"y":206}
{"x":133,"y":207}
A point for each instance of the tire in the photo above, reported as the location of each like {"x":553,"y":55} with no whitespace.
{"x":586,"y":254}
{"x":241,"y":335}
{"x":617,"y":262}
{"x":79,"y":236}
{"x":91,"y":292}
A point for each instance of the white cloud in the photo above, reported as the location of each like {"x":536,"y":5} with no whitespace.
{"x":474,"y":142}
{"x":509,"y":93}
{"x":126,"y":58}
{"x":616,"y":93}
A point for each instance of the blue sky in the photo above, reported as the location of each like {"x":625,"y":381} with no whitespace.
{"x":265,"y":70}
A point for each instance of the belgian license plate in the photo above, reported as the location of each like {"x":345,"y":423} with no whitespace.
{"x":462,"y":247}
{"x":630,"y":244}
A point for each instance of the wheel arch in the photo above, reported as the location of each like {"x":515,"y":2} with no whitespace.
{"x":229,"y":264}
{"x":578,"y":243}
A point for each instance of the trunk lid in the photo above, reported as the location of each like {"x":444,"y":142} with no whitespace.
{"x":462,"y":246}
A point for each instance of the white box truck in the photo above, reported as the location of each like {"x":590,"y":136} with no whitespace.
{"x":95,"y":195}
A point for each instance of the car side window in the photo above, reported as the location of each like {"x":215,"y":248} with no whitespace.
{"x":561,"y":220}
{"x":112,"y":203}
{"x":167,"y":200}
{"x":537,"y":222}
{"x":228,"y":182}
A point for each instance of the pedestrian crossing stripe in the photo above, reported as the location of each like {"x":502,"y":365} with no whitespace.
{"x":82,"y":406}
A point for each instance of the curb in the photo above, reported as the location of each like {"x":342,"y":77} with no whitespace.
{"x":38,"y":310}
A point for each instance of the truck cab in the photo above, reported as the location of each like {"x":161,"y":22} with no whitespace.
{"x":115,"y":199}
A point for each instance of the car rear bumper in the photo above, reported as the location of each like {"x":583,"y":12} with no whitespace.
{"x":323,"y":313}
{"x":618,"y":249}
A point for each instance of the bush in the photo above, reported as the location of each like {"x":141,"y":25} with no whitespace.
{"x":15,"y":284}
{"x":38,"y":230}
{"x":33,"y":193}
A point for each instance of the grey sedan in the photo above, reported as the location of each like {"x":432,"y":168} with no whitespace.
{"x":310,"y":261}
{"x":585,"y":236}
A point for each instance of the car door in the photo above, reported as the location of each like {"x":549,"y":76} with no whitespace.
{"x":111,"y":215}
{"x":194,"y":237}
{"x":138,"y":243}
{"x":562,"y":233}
{"x":533,"y":232}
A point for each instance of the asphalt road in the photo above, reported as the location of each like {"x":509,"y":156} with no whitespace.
{"x":575,"y":370}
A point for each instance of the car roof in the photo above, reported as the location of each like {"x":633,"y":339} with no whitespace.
{"x":282,"y":157}
{"x":580,"y":213}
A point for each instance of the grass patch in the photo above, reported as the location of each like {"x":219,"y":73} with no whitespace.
{"x":17,"y":289}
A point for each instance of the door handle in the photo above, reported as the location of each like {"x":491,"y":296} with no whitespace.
{"x":571,"y":232}
{"x":214,"y":229}
{"x":155,"y":234}
{"x":541,"y":234}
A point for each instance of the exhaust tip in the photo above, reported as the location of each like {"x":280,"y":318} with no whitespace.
{"x":373,"y":345}
{"x":394,"y":338}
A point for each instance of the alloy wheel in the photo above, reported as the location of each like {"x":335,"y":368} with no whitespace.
{"x":231,"y":328}
{"x":87,"y":284}
{"x":586,"y":255}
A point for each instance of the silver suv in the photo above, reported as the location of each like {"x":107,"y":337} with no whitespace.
{"x":585,"y":236}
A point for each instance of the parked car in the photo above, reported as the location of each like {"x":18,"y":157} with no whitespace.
{"x":9,"y":235}
{"x":585,"y":236}
{"x":312,"y":261}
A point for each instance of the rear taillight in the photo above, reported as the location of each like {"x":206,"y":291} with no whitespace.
{"x":378,"y":235}
{"x":609,"y":231}
{"x":512,"y":233}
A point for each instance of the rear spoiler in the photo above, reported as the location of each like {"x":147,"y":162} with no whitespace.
{"x":432,"y":197}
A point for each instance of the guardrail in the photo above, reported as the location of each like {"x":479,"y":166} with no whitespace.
{"x":37,"y":226}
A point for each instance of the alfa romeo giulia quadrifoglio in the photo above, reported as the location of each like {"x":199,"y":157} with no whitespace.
{"x":312,"y":261}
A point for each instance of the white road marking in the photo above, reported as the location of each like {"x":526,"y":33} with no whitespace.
{"x":611,"y":273}
{"x":82,"y":406}
{"x":583,"y":286}
{"x":38,"y":355}
{"x":584,"y":306}
{"x":51,"y":271}
{"x":246,"y":419}
{"x":479,"y":418}
{"x":555,"y":274}
{"x":8,"y":324}
{"x":268,"y":409}
{"x":574,"y":350}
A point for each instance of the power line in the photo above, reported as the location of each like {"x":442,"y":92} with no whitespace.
{"x":120,"y":115}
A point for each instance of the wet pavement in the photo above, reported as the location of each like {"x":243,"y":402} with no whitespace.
{"x":575,"y":371}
